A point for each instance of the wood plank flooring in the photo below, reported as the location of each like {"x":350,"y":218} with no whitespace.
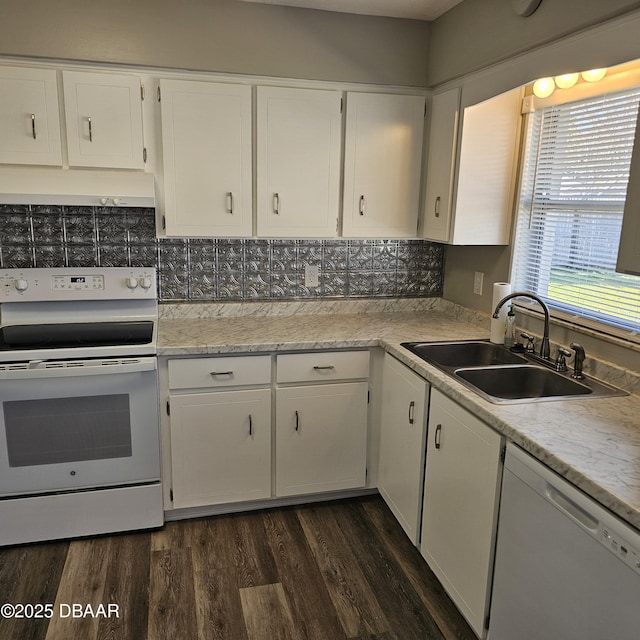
{"x":327,"y":571}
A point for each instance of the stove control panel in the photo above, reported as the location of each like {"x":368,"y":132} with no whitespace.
{"x":83,"y":283}
{"x":77,"y":283}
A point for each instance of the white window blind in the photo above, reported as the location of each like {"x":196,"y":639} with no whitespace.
{"x":574,"y":184}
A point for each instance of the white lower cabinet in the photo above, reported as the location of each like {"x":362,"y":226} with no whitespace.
{"x":321,"y":438}
{"x":321,"y":422}
{"x":403,"y":430}
{"x":220,"y":429}
{"x":221,"y":447}
{"x":461,"y":497}
{"x":237,"y":435}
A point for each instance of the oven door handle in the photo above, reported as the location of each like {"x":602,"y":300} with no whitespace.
{"x":79,"y":368}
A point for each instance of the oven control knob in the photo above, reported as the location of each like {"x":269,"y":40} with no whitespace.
{"x":21,"y":285}
{"x":145,"y":283}
{"x":132,"y":283}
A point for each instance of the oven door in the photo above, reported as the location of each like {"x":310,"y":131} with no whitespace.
{"x":68,"y":425}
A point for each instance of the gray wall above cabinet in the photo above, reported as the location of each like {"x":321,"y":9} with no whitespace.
{"x":223,"y":36}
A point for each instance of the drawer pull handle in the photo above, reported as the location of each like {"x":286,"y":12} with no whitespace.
{"x":33,"y":126}
{"x":276,"y":203}
{"x":90,"y":130}
{"x":230,"y":202}
{"x":221,"y":373}
{"x":436,"y":207}
{"x":250,"y":425}
{"x":412,"y":406}
{"x":325,"y":367}
{"x":297,"y":421}
{"x":437,"y":436}
{"x":362,"y":205}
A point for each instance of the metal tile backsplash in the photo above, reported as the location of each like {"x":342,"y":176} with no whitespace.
{"x":217,"y":269}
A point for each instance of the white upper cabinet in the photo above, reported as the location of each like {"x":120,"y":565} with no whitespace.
{"x":628,"y":252}
{"x":469,"y":199}
{"x":299,"y":134}
{"x":443,"y":136}
{"x":103,"y":113}
{"x":382,"y":165}
{"x":206,"y":143}
{"x":29,"y":117}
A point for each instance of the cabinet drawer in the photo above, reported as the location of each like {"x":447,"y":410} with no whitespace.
{"x":219,"y":372}
{"x":314,"y":367}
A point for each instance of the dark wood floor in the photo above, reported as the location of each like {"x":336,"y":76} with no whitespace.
{"x":327,"y":571}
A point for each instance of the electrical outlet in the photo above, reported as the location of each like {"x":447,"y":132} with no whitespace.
{"x":311,"y":275}
{"x":478,"y":279}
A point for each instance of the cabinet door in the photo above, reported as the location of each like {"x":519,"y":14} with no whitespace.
{"x":488,"y":156}
{"x":443,"y":130}
{"x":206,"y":143}
{"x":103,"y":112}
{"x":462,"y":485}
{"x":382,"y":165}
{"x":220,"y":447}
{"x":321,"y":438}
{"x":29,"y":117}
{"x":628,"y":254}
{"x":299,"y":134}
{"x":402,"y":436}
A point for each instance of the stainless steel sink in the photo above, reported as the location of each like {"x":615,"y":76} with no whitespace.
{"x":519,"y":382}
{"x":502,"y":376}
{"x":472,"y":353}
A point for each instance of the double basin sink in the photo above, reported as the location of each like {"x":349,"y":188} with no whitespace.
{"x":503,"y":376}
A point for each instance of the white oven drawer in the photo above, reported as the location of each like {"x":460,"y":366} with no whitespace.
{"x":322,"y":366}
{"x":219,"y":372}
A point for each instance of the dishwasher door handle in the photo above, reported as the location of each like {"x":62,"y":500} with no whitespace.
{"x":570,"y":508}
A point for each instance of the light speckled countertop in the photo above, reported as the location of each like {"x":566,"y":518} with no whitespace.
{"x":594,"y":443}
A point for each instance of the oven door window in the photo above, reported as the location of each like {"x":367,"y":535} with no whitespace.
{"x":59,"y":430}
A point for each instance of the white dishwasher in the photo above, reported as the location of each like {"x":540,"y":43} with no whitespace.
{"x":565,"y":568}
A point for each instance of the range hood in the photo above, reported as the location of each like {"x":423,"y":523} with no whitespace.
{"x":26,"y":185}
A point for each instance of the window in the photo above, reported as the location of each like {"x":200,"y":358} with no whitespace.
{"x":574,"y":182}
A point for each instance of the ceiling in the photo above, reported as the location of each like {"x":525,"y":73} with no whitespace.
{"x":413,"y":9}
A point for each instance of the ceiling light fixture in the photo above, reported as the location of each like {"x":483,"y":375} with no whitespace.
{"x":543,"y":87}
{"x":593,"y":75}
{"x":567,"y":80}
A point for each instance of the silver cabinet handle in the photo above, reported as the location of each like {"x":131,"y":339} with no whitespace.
{"x":250,"y":425}
{"x":438,"y":433}
{"x":90,"y":130}
{"x":221,"y":373}
{"x":325,"y":367}
{"x":33,"y":126}
{"x":230,"y":202}
{"x":436,"y":207}
{"x":361,"y":206}
{"x":297,"y":421}
{"x":276,"y":203}
{"x":412,"y":406}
